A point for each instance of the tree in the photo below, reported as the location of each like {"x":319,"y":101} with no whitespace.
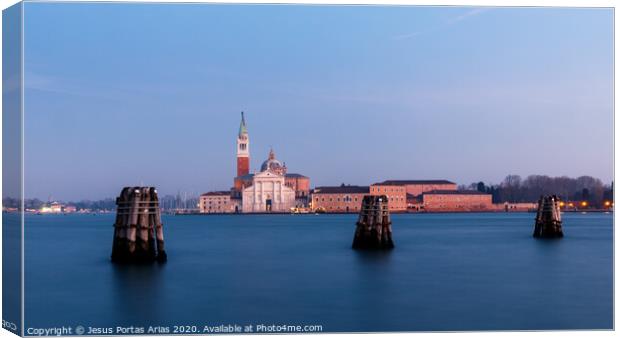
{"x":585,"y":194}
{"x":511,"y":187}
{"x":514,"y":189}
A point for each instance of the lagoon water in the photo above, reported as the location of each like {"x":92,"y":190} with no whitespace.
{"x":447,"y":272}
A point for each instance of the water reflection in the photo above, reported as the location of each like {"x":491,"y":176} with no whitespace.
{"x":138,"y":291}
{"x":373,"y":256}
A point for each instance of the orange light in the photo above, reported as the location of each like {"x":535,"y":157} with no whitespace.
{"x":584,"y":204}
{"x":561,"y":204}
{"x":571,"y":204}
{"x":607,"y":203}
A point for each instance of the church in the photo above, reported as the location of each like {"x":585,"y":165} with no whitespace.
{"x":272,"y":189}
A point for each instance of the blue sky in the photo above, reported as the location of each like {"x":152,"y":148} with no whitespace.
{"x":123,"y":94}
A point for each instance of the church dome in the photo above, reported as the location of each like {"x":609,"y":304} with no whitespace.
{"x":272,"y":164}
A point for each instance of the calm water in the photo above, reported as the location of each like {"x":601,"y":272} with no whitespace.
{"x":448,"y":272}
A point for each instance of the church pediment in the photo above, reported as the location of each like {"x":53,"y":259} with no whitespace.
{"x":267,"y":174}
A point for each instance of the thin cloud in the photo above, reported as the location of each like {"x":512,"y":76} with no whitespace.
{"x":470,"y":13}
{"x":406,"y":36}
{"x":50,"y":84}
{"x":38,"y":82}
{"x":92,"y":89}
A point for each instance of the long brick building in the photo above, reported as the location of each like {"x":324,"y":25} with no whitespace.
{"x":345,"y":198}
{"x":418,"y":187}
{"x":403,"y":196}
{"x":456,"y":200}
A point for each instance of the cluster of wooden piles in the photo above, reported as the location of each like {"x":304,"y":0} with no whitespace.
{"x":138,"y":231}
{"x":548,"y":218}
{"x":374,"y":226}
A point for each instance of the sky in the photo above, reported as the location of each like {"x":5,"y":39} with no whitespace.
{"x":120,"y":94}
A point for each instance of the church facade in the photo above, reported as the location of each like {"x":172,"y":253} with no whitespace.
{"x":271,"y":189}
{"x":268,"y":193}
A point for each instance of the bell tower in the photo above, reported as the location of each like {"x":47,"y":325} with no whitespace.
{"x":243,"y":149}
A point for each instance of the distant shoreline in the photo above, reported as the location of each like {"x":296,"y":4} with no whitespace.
{"x":392,"y":213}
{"x":325,"y":213}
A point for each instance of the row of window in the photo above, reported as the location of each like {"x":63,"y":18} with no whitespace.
{"x":344,"y":209}
{"x":378,"y":189}
{"x":213,"y":202}
{"x":348,"y":199}
{"x":345,"y":199}
{"x":215,"y":209}
{"x":458,"y":199}
{"x":217,"y":198}
{"x":458,"y":206}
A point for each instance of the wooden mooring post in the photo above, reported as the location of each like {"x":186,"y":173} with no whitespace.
{"x":138,"y":231}
{"x":374,"y":226}
{"x":548,"y":218}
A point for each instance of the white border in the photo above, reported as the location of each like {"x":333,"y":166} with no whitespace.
{"x":489,"y":3}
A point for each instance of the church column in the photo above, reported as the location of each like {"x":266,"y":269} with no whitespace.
{"x":256,"y":206}
{"x":263,"y":204}
{"x":277,"y":191}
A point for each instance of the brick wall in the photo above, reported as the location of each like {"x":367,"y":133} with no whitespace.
{"x":457,"y":202}
{"x":300,"y":184}
{"x":418,"y":189}
{"x":397,"y":195}
{"x":243,"y":166}
{"x":340,"y":202}
{"x":215,"y":204}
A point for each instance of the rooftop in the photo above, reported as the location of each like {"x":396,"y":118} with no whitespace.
{"x":454,"y":192}
{"x":246,"y":176}
{"x":343,"y":189}
{"x":296,"y":175}
{"x":408,"y":182}
{"x":249,"y":176}
{"x":216,"y":193}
